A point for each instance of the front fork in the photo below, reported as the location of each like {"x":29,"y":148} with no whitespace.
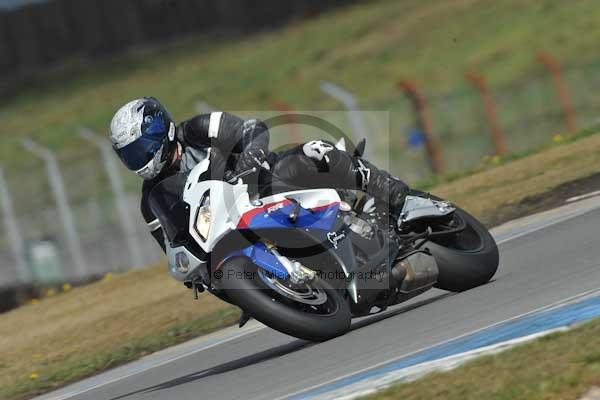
{"x":266,"y":257}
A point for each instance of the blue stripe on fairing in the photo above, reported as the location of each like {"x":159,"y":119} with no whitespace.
{"x":524,"y":326}
{"x":320,"y":219}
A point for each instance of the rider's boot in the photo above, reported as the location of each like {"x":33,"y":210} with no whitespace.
{"x":380,"y":184}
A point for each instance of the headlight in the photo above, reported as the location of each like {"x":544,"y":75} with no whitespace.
{"x":204,"y":217}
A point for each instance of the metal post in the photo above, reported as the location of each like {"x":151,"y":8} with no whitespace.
{"x":62,"y":202}
{"x":436,"y":159}
{"x":118,"y":189}
{"x":355,"y":117}
{"x":17,"y":245}
{"x":203,"y":107}
{"x":562,"y":90}
{"x":498,"y":138}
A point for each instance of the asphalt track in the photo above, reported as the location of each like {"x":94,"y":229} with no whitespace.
{"x":545,"y":259}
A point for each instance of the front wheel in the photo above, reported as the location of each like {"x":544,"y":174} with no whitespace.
{"x":312,"y":311}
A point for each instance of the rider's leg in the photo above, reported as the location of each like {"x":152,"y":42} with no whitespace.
{"x":320,"y":164}
{"x":380,"y":184}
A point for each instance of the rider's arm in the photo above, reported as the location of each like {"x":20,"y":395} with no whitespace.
{"x":153,"y":223}
{"x":226,"y":131}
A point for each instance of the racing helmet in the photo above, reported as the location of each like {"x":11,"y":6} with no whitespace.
{"x":142,"y":133}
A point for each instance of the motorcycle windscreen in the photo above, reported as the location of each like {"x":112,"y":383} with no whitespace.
{"x":166,"y":202}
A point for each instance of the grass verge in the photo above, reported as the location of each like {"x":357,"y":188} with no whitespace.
{"x":89,"y":329}
{"x":509,"y":185}
{"x":57,"y":340}
{"x":74,"y":368}
{"x":558,"y":366}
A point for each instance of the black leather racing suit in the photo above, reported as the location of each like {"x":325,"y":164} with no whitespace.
{"x":223,"y":136}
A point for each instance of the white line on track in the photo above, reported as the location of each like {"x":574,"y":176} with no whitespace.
{"x":583,"y":196}
{"x":87,"y":385}
{"x":543,"y":226}
{"x":535,"y":222}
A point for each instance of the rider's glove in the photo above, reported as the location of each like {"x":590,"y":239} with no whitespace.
{"x":252,"y":157}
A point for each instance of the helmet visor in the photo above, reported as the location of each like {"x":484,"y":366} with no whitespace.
{"x":136,"y":155}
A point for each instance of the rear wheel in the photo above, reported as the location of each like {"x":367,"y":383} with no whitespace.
{"x":312,"y":311}
{"x":466,"y":259}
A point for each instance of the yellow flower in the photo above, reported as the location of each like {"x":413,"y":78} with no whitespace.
{"x":66,"y":287}
{"x":496,"y":160}
{"x":33,"y":376}
{"x":108,"y":276}
{"x":50,"y":292}
{"x":33,"y":301}
{"x":557,"y":138}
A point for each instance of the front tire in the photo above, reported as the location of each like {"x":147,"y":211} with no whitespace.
{"x":244,"y":286}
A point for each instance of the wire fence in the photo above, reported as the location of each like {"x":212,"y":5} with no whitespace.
{"x":99,"y":229}
{"x":529,"y":113}
{"x":528,"y":110}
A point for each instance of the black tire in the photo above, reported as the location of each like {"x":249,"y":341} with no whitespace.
{"x":250,"y":294}
{"x":466,"y":260}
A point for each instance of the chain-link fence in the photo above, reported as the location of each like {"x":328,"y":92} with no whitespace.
{"x":99,"y":227}
{"x":529,"y":114}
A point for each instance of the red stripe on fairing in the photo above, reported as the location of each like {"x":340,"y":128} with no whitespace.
{"x":248,"y":216}
{"x":326,"y":206}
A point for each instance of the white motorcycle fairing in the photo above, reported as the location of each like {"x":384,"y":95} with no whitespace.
{"x":231,"y":209}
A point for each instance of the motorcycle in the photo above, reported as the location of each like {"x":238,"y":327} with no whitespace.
{"x":305,"y":262}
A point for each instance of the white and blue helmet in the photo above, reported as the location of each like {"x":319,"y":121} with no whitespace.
{"x":142,"y":133}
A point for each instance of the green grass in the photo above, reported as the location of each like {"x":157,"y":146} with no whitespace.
{"x":84,"y":330}
{"x":557,"y":366}
{"x":79,"y":366}
{"x":367,"y":48}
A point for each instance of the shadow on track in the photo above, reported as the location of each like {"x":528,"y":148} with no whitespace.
{"x":389,"y":314}
{"x":275,"y":352}
{"x":225,"y":367}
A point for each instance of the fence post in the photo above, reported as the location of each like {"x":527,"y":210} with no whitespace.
{"x":62,"y":202}
{"x":203,"y":107}
{"x":436,"y":159}
{"x":498,"y":138}
{"x":355,"y":117}
{"x":118,"y":189}
{"x":562,"y":90}
{"x":288,"y":111}
{"x":13,"y":231}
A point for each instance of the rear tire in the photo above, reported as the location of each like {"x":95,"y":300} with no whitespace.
{"x":248,"y":292}
{"x":467,"y":259}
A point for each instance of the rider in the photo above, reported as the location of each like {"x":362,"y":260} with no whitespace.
{"x":146,"y":139}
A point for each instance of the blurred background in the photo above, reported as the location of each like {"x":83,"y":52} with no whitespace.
{"x":463,"y":84}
